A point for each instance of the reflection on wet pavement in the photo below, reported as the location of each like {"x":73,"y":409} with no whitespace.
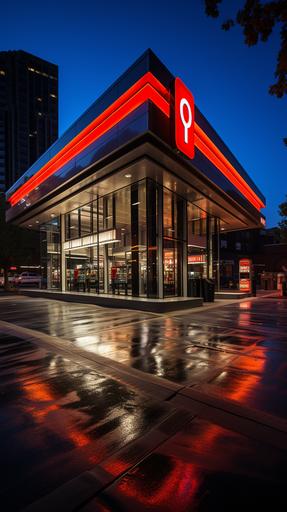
{"x":202,"y":468}
{"x":251,"y":390}
{"x":246,"y":341}
{"x":59,"y":419}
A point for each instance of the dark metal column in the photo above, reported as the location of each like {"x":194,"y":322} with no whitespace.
{"x":208,"y":247}
{"x":135,"y":239}
{"x":216,"y":252}
{"x":62,"y":253}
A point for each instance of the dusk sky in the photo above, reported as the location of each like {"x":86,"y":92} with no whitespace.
{"x":94,"y":42}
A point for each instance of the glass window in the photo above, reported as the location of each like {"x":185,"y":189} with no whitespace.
{"x":142,"y":238}
{"x":72,"y":229}
{"x":50,"y":254}
{"x":86,"y":220}
{"x":119,"y":255}
{"x":173,"y":214}
{"x":172,"y":268}
{"x":95,"y":216}
{"x":196,"y":226}
{"x":196,"y":242}
{"x":174,"y":234}
{"x":106,"y":212}
{"x":168,"y":224}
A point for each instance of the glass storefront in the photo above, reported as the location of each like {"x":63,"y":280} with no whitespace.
{"x":106,"y":244}
{"x":197,"y":242}
{"x":142,"y":240}
{"x":174,"y":237}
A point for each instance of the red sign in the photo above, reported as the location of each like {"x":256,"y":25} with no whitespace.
{"x":184,"y":118}
{"x":245,"y":285}
{"x":196,"y":258}
{"x":245,"y":275}
{"x":244,"y":266}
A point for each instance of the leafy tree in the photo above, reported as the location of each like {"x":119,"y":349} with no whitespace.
{"x":257,"y":20}
{"x":283,"y":223}
{"x":18,"y":246}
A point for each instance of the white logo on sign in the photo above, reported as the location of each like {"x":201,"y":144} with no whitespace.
{"x":186,"y":122}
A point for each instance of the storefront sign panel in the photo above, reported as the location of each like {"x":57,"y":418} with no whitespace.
{"x":184,"y":119}
{"x":245,"y":275}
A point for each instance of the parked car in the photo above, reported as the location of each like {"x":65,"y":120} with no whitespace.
{"x":28,"y":279}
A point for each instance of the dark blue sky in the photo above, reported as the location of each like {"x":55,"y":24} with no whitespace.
{"x":93,"y":42}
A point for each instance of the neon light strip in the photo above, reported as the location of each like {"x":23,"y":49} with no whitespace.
{"x":211,"y":151}
{"x":146,"y":88}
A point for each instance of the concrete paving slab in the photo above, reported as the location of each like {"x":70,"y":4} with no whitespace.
{"x":225,"y":365}
{"x":203,"y":467}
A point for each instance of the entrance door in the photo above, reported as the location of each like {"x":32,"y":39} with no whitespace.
{"x":119,"y":271}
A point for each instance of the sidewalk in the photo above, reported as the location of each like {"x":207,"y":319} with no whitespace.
{"x":109,"y":410}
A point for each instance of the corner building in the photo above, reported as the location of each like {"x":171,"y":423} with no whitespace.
{"x":121,"y":209}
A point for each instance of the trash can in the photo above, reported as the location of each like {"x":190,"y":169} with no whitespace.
{"x":194,"y":287}
{"x":208,"y":289}
{"x":253,"y":287}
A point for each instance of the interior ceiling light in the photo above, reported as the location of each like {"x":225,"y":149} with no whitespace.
{"x":128,"y":175}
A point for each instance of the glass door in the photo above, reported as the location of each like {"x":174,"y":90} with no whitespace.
{"x":120,"y":271}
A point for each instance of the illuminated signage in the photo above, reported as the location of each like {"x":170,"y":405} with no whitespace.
{"x":184,"y":118}
{"x":196,"y":258}
{"x":106,"y":237}
{"x":245,"y":275}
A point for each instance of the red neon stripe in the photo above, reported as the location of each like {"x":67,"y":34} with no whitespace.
{"x":211,"y":151}
{"x":146,"y":88}
{"x":217,"y":162}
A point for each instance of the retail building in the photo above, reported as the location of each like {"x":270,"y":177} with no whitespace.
{"x":131,"y":199}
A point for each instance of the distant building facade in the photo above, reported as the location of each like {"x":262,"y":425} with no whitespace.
{"x":262,"y":246}
{"x":28,"y":112}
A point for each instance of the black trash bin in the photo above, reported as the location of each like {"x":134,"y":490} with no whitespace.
{"x":194,"y":287}
{"x":208,"y":289}
{"x":191,"y":288}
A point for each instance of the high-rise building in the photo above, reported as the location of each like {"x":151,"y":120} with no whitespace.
{"x":28,"y":112}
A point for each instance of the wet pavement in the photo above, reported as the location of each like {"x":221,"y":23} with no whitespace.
{"x":202,"y":468}
{"x":61,"y":418}
{"x":238,"y":351}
